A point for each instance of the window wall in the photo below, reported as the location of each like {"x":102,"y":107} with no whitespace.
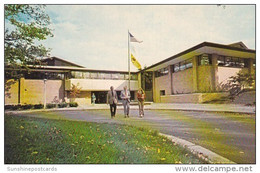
{"x":227,"y":61}
{"x":100,"y":75}
{"x":162,"y":72}
{"x":182,"y":65}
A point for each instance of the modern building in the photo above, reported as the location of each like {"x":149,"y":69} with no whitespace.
{"x":198,"y":74}
{"x":194,"y":75}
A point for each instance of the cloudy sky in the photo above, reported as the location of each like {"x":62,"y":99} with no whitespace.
{"x":95,"y":36}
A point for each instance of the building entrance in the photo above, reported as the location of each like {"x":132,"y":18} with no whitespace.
{"x":101,"y":96}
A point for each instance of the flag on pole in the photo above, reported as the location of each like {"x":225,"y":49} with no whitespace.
{"x":133,"y":39}
{"x":135,"y":62}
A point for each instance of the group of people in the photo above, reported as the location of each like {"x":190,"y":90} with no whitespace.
{"x":112,"y":100}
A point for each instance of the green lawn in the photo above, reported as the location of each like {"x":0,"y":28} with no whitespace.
{"x":44,"y":140}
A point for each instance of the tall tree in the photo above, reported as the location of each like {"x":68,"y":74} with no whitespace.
{"x":24,"y":25}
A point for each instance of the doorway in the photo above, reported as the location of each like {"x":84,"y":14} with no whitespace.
{"x":101,"y":96}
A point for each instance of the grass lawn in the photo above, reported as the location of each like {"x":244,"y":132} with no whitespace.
{"x":43,"y":140}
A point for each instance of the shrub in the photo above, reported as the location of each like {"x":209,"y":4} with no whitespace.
{"x":50,"y":105}
{"x":73,"y":104}
{"x":63,"y":105}
{"x":8,"y":107}
{"x":27,"y":106}
{"x":38,"y":106}
{"x":13,"y":107}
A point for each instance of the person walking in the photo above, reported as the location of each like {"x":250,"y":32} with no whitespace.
{"x":141,"y":97}
{"x":125,"y":96}
{"x":112,"y":101}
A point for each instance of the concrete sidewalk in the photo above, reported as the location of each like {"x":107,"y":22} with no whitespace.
{"x":232,"y":108}
{"x":229,"y":108}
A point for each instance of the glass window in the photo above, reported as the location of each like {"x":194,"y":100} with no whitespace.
{"x":94,"y":75}
{"x":235,"y":61}
{"x":221,"y":61}
{"x":188,"y":63}
{"x":85,"y":75}
{"x":182,"y":65}
{"x":205,"y":59}
{"x":161,"y":72}
{"x":134,"y":77}
{"x":78,"y":75}
{"x":162,"y":92}
{"x":115,"y":76}
{"x":176,"y":67}
{"x":126,"y":76}
{"x":228,"y":62}
{"x":121,"y":76}
{"x":73,"y":74}
{"x":241,"y":62}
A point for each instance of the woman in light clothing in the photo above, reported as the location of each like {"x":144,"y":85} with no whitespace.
{"x":141,"y":97}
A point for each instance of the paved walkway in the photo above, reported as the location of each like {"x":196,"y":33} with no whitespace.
{"x":218,"y":132}
{"x":236,"y":108}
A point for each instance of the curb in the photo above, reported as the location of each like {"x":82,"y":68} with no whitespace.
{"x":132,"y":108}
{"x":203,"y":153}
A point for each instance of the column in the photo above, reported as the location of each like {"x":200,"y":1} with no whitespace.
{"x":139,"y":80}
{"x":170,"y":78}
{"x":21,"y":93}
{"x":154,"y":88}
{"x":195,"y":73}
{"x":250,"y":66}
{"x":214,"y":77}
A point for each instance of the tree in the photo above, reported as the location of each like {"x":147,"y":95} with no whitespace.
{"x":240,"y":82}
{"x":24,"y":24}
{"x":75,"y":91}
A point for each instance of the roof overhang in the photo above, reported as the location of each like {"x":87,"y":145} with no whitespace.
{"x":205,"y":47}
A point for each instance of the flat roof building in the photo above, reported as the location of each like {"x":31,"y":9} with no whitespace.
{"x":184,"y":77}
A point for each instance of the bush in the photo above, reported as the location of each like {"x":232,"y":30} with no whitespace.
{"x":73,"y":104}
{"x":38,"y":106}
{"x":8,"y":107}
{"x":63,"y":105}
{"x":27,"y":106}
{"x":50,"y":105}
{"x":12,"y":107}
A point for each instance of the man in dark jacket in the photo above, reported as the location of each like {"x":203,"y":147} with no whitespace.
{"x":112,"y":101}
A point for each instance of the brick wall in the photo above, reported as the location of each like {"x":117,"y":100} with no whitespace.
{"x":162,"y":83}
{"x":182,"y":81}
{"x":32,"y":91}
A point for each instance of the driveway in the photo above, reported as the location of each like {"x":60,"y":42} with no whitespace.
{"x":227,"y":134}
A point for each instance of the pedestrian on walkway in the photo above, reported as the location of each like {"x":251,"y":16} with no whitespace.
{"x":112,"y":101}
{"x":141,"y":97}
{"x":125,"y":96}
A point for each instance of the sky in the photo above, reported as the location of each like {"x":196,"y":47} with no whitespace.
{"x":96,"y":36}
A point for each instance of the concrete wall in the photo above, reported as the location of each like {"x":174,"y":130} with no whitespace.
{"x":183,"y":81}
{"x":100,"y":84}
{"x":192,"y":98}
{"x":11,"y":92}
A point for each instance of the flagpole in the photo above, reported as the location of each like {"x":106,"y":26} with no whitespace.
{"x":128,"y":62}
